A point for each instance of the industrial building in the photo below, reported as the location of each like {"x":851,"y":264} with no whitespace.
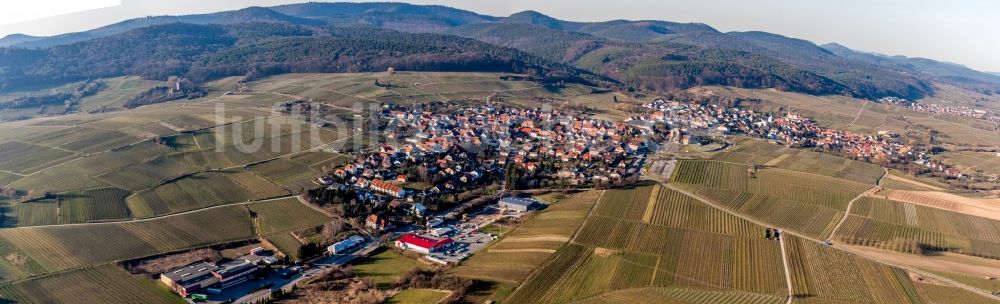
{"x":191,"y":278}
{"x":345,"y":246}
{"x":423,"y":244}
{"x":518,"y":204}
{"x":234,"y":273}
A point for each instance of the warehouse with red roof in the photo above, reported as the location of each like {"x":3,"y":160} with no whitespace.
{"x":423,"y":244}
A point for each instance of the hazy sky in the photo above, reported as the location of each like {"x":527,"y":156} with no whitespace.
{"x":961,"y":31}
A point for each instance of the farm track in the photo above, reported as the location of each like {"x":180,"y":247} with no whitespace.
{"x":788,"y":273}
{"x":589,"y":215}
{"x":847,"y":213}
{"x":848,"y":250}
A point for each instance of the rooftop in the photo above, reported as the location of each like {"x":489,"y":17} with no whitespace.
{"x":190,"y":272}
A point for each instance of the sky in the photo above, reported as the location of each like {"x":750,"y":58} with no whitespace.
{"x":960,"y":31}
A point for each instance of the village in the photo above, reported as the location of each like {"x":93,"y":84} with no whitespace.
{"x":684,"y":120}
{"x":445,"y":172}
{"x":933,"y":108}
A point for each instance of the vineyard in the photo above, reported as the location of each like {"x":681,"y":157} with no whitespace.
{"x":57,"y":248}
{"x":937,"y":294}
{"x":27,"y":158}
{"x":545,"y":231}
{"x":285,"y":215}
{"x":93,"y":205}
{"x":684,"y":243}
{"x":808,"y":203}
{"x":773,"y":155}
{"x":101,"y":284}
{"x":35,"y":213}
{"x":683,"y":295}
{"x":202,"y":190}
{"x":289,"y":174}
{"x":824,"y":273}
{"x":910,"y":228}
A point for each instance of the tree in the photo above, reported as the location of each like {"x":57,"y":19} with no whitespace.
{"x":332,"y":228}
{"x":309,"y":250}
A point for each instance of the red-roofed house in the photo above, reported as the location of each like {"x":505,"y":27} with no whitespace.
{"x":423,"y":244}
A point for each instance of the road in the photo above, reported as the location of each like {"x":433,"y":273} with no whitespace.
{"x":848,"y":250}
{"x":318,"y":266}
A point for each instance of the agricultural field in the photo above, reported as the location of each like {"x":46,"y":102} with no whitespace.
{"x":285,"y":215}
{"x":768,"y":154}
{"x":808,"y":203}
{"x":911,"y":228}
{"x":58,"y":248}
{"x":100,"y":284}
{"x":677,"y":295}
{"x":290,"y":175}
{"x":93,"y":205}
{"x":384,"y":267}
{"x":203,"y":190}
{"x":987,"y":163}
{"x":418,"y":296}
{"x":528,"y":245}
{"x":25,"y":158}
{"x":822,"y":274}
{"x":117,"y":91}
{"x":941,"y":294}
{"x":657,"y":237}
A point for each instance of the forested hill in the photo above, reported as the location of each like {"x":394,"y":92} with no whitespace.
{"x":205,"y":52}
{"x":647,"y":54}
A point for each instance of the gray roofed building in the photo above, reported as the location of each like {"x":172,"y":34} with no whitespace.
{"x":518,"y":204}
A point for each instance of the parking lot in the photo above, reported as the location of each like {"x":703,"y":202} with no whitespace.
{"x":465,"y":245}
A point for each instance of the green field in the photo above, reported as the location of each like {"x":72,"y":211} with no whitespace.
{"x":910,"y":228}
{"x":384,"y":267}
{"x":418,"y":296}
{"x":100,"y":284}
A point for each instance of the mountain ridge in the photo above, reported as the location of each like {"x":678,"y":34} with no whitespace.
{"x":689,"y":54}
